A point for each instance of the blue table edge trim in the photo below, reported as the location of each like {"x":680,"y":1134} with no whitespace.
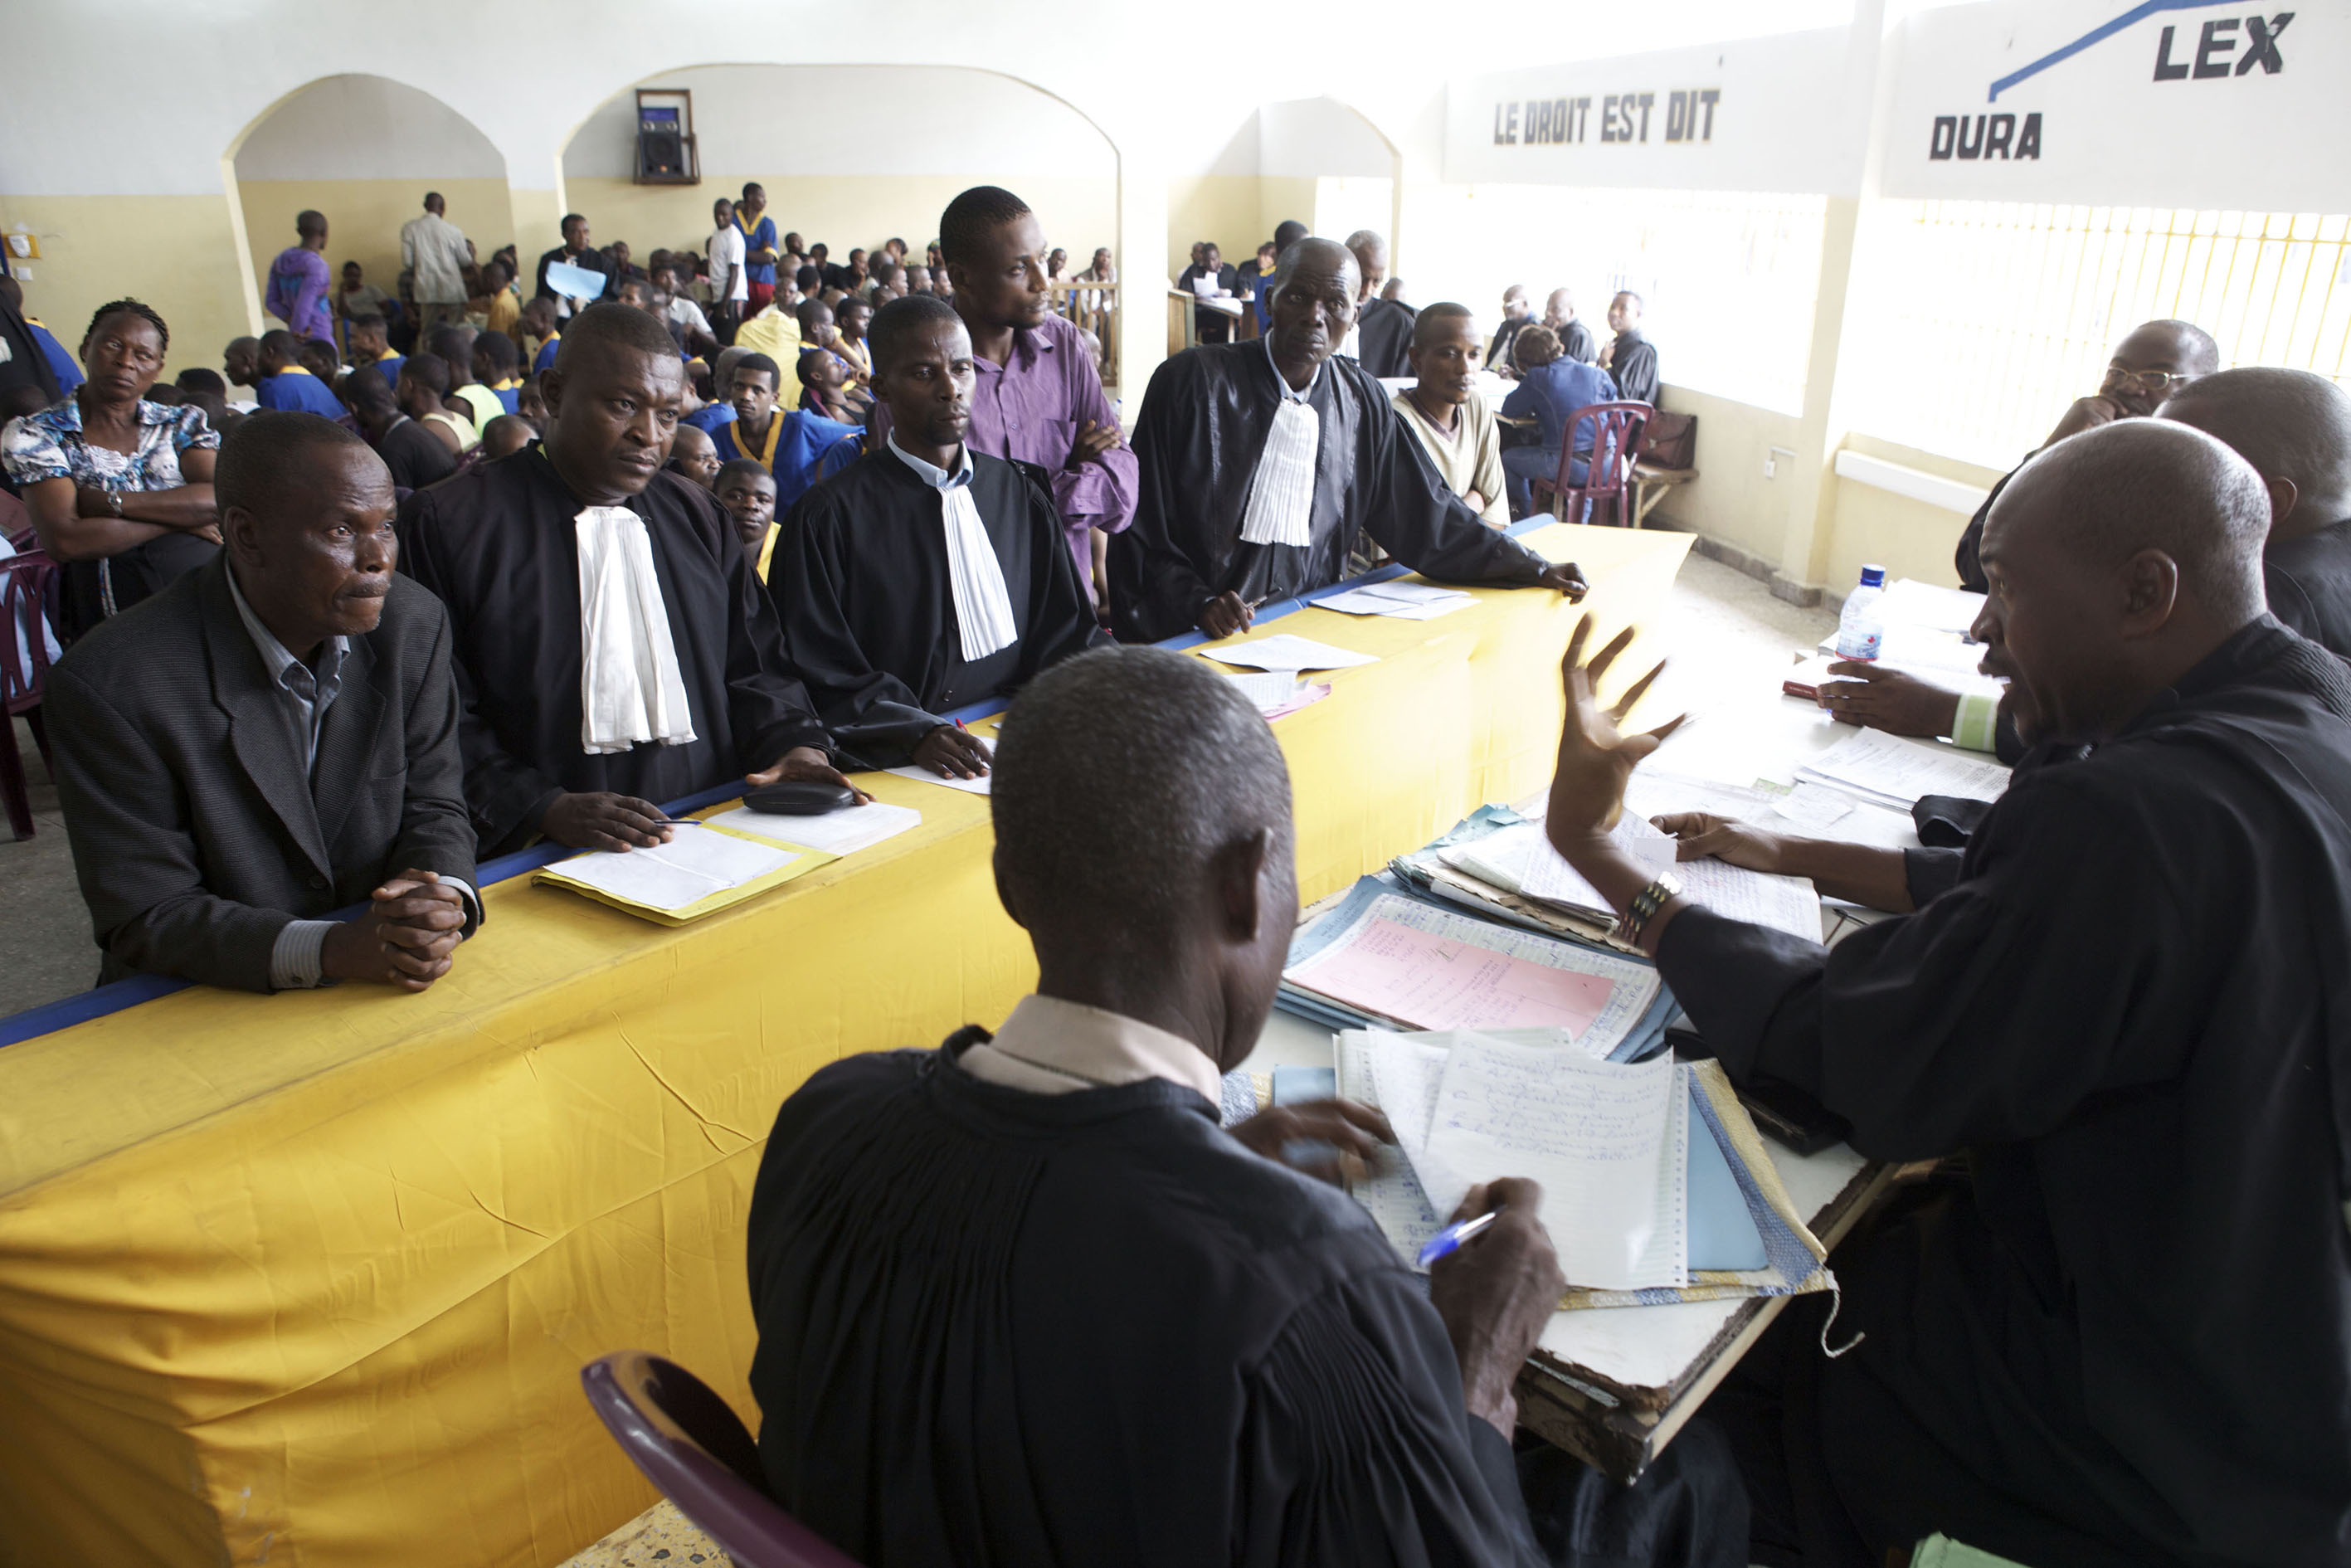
{"x":100,"y":1001}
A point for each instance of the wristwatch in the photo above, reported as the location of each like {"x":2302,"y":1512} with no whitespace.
{"x":1645,"y":904}
{"x":114,"y":503}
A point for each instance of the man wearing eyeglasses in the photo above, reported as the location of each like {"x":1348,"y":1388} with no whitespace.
{"x":2151,"y":364}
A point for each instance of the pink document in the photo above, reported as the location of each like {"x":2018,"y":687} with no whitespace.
{"x":1431,"y":982}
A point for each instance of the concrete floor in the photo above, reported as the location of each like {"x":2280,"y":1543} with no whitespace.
{"x":1727,"y":639}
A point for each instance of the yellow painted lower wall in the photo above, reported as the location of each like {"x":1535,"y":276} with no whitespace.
{"x":364,"y":218}
{"x":176,"y":253}
{"x":1731,"y":501}
{"x":840,"y":210}
{"x":1909,"y":539}
{"x":1225,"y":208}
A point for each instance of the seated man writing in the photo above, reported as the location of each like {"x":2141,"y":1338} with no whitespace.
{"x":272,"y":738}
{"x":1455,"y":427}
{"x":926,"y":575}
{"x":2125,"y":1341}
{"x":1021,"y":1300}
{"x":1260,"y":463}
{"x":594,"y":693}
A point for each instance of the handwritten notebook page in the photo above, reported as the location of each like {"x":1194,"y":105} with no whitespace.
{"x":694,"y":863}
{"x":1608,"y":1141}
{"x":1394,"y":1197}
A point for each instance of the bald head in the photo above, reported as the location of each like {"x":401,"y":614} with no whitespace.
{"x":2293,"y":426}
{"x":2137,"y":486}
{"x":2119,"y":560}
{"x":1136,"y":791}
{"x":2182,"y":346}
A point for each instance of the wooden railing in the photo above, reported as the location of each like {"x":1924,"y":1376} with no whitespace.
{"x":1095,"y":307}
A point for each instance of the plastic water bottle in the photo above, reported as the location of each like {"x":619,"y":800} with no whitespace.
{"x":1859,"y":629}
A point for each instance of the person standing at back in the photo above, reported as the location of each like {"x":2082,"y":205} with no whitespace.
{"x":730,"y":278}
{"x":297,"y":289}
{"x":436,"y":250}
{"x":1038,"y":397}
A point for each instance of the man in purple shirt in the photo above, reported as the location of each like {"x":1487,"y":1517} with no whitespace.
{"x":296,"y":290}
{"x":1039,"y":398}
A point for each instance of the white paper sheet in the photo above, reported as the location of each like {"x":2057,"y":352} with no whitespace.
{"x":694,"y":863}
{"x":1608,"y":1141}
{"x":1897,"y":771}
{"x":923,"y":774}
{"x":840,"y":832}
{"x":1551,"y":878}
{"x":1284,"y":651}
{"x":1787,"y":903}
{"x":1360,"y":601}
{"x":1268,"y":689}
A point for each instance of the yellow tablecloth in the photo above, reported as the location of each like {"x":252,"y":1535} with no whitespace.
{"x":309,"y":1280}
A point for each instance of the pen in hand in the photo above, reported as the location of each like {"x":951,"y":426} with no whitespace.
{"x":1448,"y":1241}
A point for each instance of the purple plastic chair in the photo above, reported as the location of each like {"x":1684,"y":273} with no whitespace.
{"x":1615,"y":430}
{"x":690,"y":1444}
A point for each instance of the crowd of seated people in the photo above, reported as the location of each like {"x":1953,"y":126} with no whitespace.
{"x":469,"y":572}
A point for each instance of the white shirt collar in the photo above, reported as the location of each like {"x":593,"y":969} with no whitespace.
{"x":1289,"y":392}
{"x":1053,"y":1047}
{"x":931,"y":473}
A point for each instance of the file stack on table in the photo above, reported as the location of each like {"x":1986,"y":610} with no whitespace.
{"x":1887,"y":770}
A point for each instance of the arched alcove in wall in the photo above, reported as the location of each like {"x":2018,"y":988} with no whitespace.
{"x":363,"y":150}
{"x":1316,"y":160}
{"x":851,"y":155}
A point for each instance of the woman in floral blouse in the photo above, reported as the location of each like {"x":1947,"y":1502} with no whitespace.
{"x":121,"y":488}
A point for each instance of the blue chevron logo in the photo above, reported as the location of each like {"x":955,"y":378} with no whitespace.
{"x":2099,"y":34}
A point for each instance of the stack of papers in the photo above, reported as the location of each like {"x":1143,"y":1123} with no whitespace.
{"x":1284,"y":651}
{"x":1383,"y":957}
{"x":1520,"y":859}
{"x":1403,"y":600}
{"x":1602,"y":1139}
{"x":840,"y":832}
{"x":699,"y":872}
{"x":1888,"y":770}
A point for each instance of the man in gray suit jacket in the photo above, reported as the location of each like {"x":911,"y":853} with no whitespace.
{"x":273,"y":739}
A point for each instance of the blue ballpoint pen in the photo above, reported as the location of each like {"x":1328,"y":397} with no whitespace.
{"x":1449,"y":1239}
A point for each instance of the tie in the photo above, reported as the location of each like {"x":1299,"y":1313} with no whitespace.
{"x":983,"y":610}
{"x":629,"y":689}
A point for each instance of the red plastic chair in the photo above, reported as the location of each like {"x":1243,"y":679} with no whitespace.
{"x":689,"y":1442}
{"x":1615,"y":430}
{"x":27,"y":595}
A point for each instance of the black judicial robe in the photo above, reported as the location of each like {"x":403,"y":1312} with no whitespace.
{"x":859,"y":582}
{"x":2309,"y":582}
{"x":1203,"y":423}
{"x":1576,"y":341}
{"x":498,"y":545}
{"x":1384,"y":335}
{"x":1000,"y":1328}
{"x":2135,"y":1332}
{"x":1634,"y":364}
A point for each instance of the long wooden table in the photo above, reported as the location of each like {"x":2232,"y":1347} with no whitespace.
{"x":309,"y":1278}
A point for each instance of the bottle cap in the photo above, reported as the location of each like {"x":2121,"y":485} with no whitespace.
{"x":1873,"y":577}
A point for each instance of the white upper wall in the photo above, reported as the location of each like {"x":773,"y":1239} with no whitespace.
{"x":940,"y":120}
{"x":537,"y":69}
{"x":366,"y":127}
{"x":1312,"y":138}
